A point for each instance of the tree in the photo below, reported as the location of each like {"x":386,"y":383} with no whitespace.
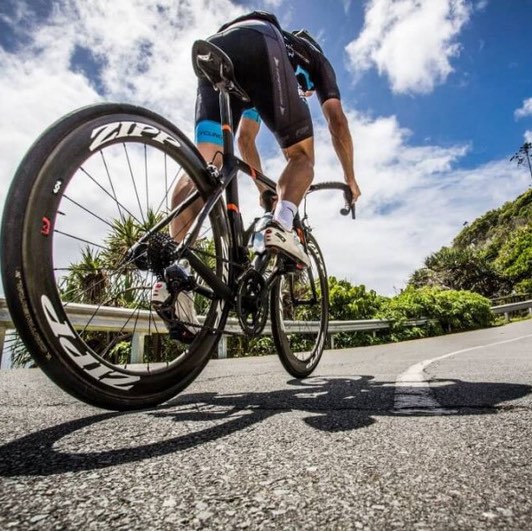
{"x":523,"y":155}
{"x":460,"y":269}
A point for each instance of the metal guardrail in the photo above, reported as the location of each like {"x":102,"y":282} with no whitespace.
{"x":146,"y":322}
{"x":510,"y":299}
{"x":507,"y":309}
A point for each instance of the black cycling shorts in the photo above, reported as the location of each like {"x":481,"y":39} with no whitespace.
{"x":263,"y":70}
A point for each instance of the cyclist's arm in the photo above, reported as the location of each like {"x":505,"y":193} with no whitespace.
{"x":342,"y":141}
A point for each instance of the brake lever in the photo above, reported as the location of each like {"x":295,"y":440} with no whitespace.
{"x":349,"y":205}
{"x":349,"y":209}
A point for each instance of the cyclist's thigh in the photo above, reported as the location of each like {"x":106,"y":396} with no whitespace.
{"x":275,"y":93}
{"x":263,"y":69}
{"x":208,"y":128}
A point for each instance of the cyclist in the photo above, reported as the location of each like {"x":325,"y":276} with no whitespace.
{"x":269,"y":63}
{"x":248,"y":129}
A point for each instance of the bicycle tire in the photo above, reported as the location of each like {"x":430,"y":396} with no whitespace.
{"x":298,"y":340}
{"x":36,"y":302}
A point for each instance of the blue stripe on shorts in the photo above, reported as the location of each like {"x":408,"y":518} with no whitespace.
{"x":252,"y":114}
{"x":209,"y":131}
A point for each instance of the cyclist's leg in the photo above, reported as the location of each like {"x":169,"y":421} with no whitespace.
{"x":248,"y":129}
{"x":297,"y":176}
{"x":274,"y":90}
{"x":208,"y":137}
{"x":275,"y":94}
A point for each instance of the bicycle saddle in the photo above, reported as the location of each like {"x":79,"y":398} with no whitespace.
{"x":214,"y":64}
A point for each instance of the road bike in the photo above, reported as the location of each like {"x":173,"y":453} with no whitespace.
{"x":85,"y":236}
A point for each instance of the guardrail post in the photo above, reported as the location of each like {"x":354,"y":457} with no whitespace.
{"x":2,"y":339}
{"x":222,"y":348}
{"x":137,"y":348}
{"x":332,"y":341}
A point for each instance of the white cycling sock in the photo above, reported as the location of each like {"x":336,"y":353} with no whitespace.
{"x":284,"y":214}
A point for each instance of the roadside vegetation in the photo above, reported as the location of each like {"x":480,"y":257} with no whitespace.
{"x":489,"y":260}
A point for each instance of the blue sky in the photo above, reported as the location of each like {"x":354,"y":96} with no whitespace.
{"x":438,"y":95}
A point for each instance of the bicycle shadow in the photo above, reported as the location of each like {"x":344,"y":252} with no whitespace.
{"x":333,"y":403}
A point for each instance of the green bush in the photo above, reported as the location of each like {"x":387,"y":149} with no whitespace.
{"x":454,"y":310}
{"x":348,"y":302}
{"x":515,"y":255}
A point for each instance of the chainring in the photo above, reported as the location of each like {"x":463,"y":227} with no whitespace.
{"x":252,"y":302}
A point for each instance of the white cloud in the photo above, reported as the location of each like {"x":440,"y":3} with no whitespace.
{"x":143,"y":51}
{"x":413,"y":199}
{"x":272,"y":4}
{"x":528,"y":136}
{"x":525,"y":109}
{"x":409,"y":41}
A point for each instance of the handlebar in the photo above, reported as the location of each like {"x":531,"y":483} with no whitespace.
{"x":348,"y":196}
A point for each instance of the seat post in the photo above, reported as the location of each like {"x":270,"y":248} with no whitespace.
{"x":227,"y":121}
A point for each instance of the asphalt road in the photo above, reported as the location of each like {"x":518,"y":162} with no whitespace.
{"x":429,"y":434}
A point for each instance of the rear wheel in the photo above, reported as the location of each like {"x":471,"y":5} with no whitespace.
{"x":86,"y":192}
{"x":300,"y":314}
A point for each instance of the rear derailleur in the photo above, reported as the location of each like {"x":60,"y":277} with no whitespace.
{"x":173,"y":278}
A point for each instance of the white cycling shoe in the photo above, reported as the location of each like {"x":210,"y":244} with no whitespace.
{"x":287,"y":242}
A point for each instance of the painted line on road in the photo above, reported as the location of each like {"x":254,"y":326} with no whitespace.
{"x":413,"y":394}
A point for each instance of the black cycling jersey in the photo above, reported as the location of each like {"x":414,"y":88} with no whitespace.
{"x":268,"y":63}
{"x":312,"y":69}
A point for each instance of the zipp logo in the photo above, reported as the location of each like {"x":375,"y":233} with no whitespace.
{"x":65,"y":335}
{"x":106,"y":133}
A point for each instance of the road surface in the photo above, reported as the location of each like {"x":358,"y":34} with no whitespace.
{"x":422,"y":435}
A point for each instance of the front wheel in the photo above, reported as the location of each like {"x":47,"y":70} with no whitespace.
{"x":89,"y":188}
{"x":300,"y":314}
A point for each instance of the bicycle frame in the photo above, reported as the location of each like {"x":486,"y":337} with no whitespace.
{"x":228,"y":184}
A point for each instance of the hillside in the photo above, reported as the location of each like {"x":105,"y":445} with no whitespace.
{"x":492,"y":256}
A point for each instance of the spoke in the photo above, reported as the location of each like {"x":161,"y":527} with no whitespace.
{"x":165,"y":182}
{"x":78,"y":239}
{"x":98,"y":306}
{"x":114,"y":272}
{"x":146,"y":176}
{"x":89,"y":211}
{"x":103,"y":269}
{"x":113,"y":197}
{"x":167,"y":188}
{"x":134,"y":183}
{"x":120,"y":215}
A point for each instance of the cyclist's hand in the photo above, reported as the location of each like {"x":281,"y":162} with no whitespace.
{"x":355,"y":190}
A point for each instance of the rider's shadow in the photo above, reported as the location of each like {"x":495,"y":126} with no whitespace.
{"x":333,"y":404}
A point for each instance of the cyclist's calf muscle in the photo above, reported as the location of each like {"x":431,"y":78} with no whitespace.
{"x":184,"y":187}
{"x":299,"y":172}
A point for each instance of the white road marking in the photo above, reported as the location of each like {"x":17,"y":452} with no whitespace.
{"x":412,"y":391}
